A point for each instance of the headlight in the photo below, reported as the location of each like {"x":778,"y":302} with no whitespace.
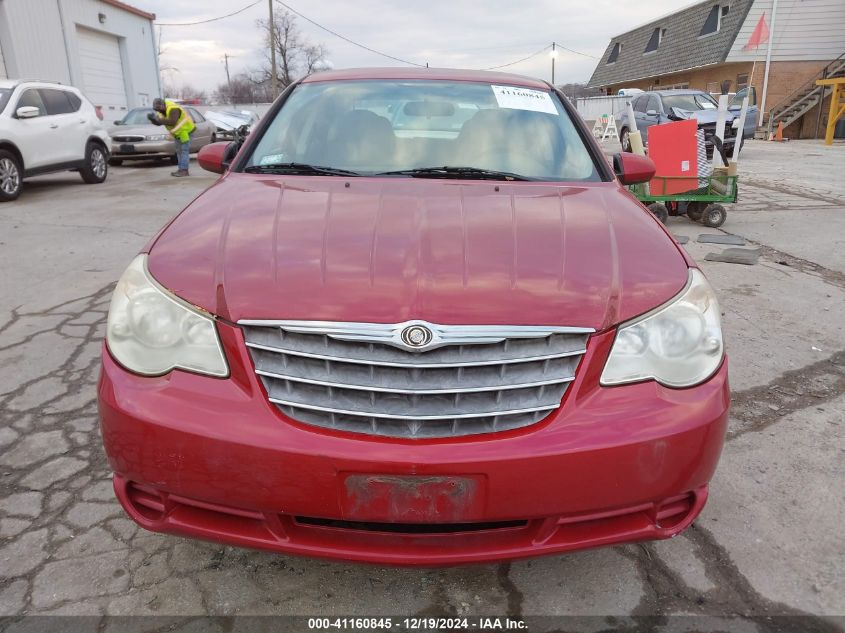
{"x":678,"y":344}
{"x":158,"y":137}
{"x":151,"y":331}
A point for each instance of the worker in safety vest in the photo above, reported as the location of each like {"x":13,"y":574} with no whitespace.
{"x":180,"y":125}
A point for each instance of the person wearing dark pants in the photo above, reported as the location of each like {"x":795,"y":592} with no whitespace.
{"x":180,"y":125}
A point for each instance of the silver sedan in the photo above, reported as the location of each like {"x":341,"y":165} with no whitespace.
{"x":135,"y":138}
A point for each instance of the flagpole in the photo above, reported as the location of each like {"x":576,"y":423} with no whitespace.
{"x":768,"y":63}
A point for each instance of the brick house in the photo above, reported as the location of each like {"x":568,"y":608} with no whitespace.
{"x":703,"y":45}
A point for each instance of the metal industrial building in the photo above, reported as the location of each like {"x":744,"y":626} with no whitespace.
{"x":106,"y":48}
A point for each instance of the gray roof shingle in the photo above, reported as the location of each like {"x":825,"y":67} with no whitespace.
{"x":681,"y":48}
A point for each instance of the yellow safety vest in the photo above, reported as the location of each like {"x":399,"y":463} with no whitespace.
{"x":184,"y":126}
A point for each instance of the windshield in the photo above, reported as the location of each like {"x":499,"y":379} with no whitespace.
{"x":372,"y":127}
{"x":137,"y":117}
{"x":695,"y":101}
{"x":5,"y":93}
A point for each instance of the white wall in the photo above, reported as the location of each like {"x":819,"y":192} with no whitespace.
{"x":805,"y":30}
{"x":3,"y":74}
{"x":36,"y":46}
{"x":591,"y":108}
{"x":33,"y":46}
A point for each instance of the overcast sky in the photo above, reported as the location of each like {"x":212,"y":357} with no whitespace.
{"x":443,"y":33}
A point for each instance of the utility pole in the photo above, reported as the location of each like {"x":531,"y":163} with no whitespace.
{"x":274,"y":85}
{"x":554,"y":54}
{"x":228,"y":78}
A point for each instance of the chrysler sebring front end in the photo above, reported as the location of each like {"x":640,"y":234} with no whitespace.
{"x":418,"y":320}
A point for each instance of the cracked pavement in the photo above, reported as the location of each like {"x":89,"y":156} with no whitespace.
{"x":767,"y":544}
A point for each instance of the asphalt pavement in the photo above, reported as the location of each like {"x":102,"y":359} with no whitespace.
{"x":769,"y":542}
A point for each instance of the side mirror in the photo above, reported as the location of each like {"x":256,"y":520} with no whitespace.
{"x":651,"y":112}
{"x":27,"y":112}
{"x":632,"y":169}
{"x":214,"y":157}
{"x":119,"y":122}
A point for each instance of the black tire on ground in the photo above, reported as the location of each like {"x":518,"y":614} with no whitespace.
{"x":714,"y":216}
{"x":695,"y":210}
{"x":115,"y":162}
{"x":96,"y":167}
{"x":11,"y":176}
{"x":659,"y":211}
{"x":625,"y":140}
{"x":174,"y":160}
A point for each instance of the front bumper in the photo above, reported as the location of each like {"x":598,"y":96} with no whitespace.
{"x":213,"y":459}
{"x":143,"y":149}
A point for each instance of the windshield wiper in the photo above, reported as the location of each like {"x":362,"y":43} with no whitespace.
{"x":299,"y":169}
{"x":454,"y":172}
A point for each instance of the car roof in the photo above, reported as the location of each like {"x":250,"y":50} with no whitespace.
{"x":434,"y":74}
{"x":684,"y":91}
{"x":37,"y":83}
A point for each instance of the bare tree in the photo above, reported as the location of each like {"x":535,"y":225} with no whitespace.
{"x":183,"y":91}
{"x":244,"y":89}
{"x":295,"y":55}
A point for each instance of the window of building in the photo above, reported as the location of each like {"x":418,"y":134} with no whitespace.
{"x":713,"y":22}
{"x":614,"y":54}
{"x":653,"y":42}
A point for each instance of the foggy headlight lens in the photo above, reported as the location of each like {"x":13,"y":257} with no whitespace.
{"x":678,"y":345}
{"x":158,"y":137}
{"x":152,"y":332}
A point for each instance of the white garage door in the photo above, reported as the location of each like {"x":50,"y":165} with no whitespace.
{"x":102,"y":70}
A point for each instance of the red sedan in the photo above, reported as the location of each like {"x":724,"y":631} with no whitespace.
{"x":418,"y":320}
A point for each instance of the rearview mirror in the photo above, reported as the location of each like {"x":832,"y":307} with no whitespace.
{"x":27,"y":112}
{"x":632,"y":169}
{"x":429,"y":108}
{"x":215,"y":157}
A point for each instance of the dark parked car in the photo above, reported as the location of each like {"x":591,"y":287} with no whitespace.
{"x":418,"y":320}
{"x":664,"y":106}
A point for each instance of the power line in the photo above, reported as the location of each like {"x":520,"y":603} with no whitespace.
{"x":576,"y":52}
{"x":346,"y":39}
{"x":222,"y":17}
{"x":542,"y":50}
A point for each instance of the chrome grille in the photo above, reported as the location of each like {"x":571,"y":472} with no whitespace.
{"x":128,"y":139}
{"x":362,"y":378}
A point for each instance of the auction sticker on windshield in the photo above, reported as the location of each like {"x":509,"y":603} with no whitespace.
{"x":524,"y":99}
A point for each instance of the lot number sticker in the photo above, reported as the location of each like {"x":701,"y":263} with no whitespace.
{"x":524,"y":99}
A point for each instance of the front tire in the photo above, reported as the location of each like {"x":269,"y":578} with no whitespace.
{"x":659,"y":210}
{"x":625,"y":139}
{"x":96,"y":167}
{"x":11,"y":176}
{"x":714,"y":216}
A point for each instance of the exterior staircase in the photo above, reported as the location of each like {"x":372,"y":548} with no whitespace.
{"x":805,"y":98}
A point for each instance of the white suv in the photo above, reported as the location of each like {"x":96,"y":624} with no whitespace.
{"x":47,"y":127}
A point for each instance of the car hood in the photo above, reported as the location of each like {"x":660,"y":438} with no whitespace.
{"x":137,"y":130}
{"x":703,"y":116}
{"x":391,"y":250}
